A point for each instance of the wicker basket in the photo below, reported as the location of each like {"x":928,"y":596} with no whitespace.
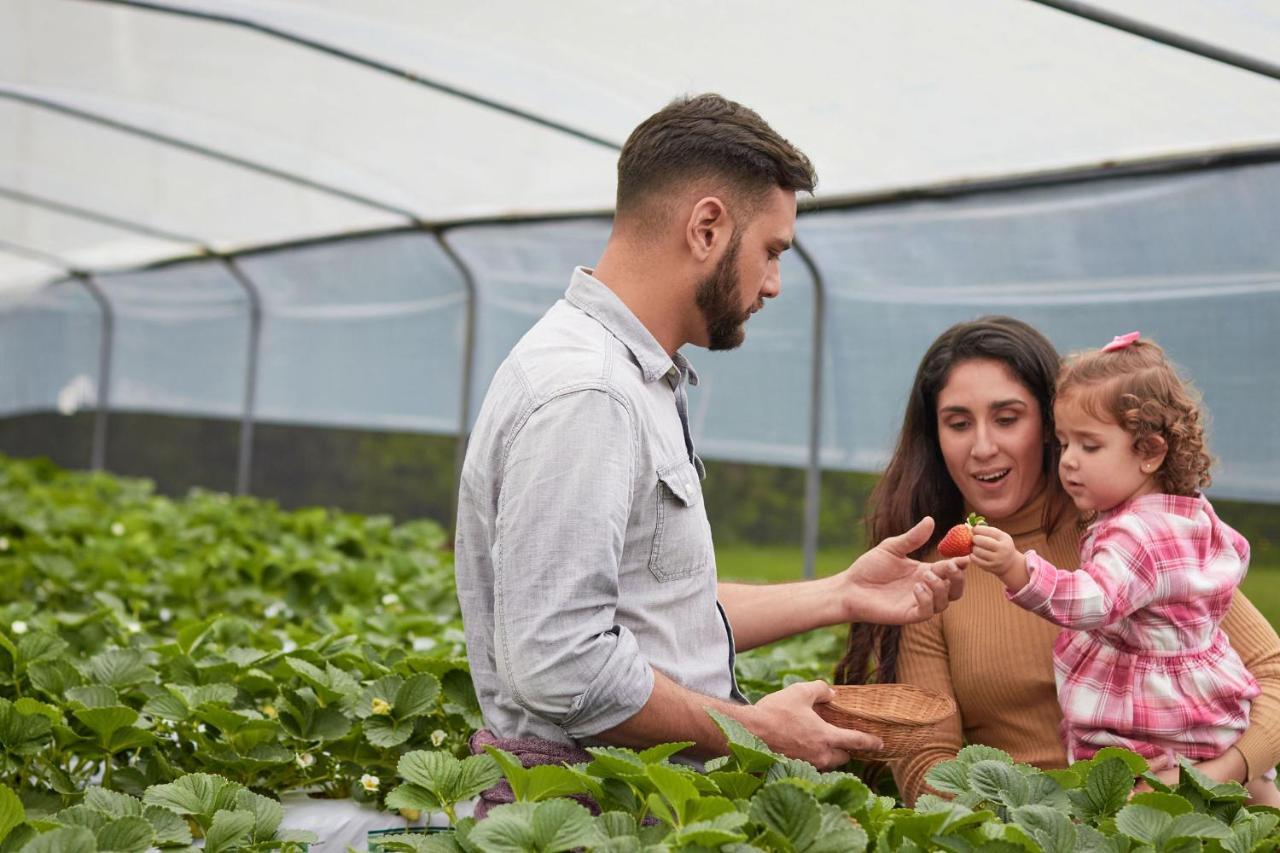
{"x":899,"y":714}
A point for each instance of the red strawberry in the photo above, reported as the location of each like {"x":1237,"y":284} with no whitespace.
{"x":959,"y":540}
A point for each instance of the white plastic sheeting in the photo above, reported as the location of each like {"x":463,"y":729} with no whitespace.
{"x":881,"y":95}
{"x":130,"y":136}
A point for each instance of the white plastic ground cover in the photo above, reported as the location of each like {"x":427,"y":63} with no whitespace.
{"x":343,"y":824}
{"x":882,"y":95}
{"x":369,"y":332}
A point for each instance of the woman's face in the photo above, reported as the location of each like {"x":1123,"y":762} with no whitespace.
{"x":992,"y":438}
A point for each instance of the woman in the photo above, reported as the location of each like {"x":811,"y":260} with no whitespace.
{"x":978,"y":436}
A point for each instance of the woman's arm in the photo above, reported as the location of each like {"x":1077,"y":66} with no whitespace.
{"x":1258,"y":645}
{"x":922,"y":661}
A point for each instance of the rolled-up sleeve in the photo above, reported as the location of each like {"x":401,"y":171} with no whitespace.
{"x":565,"y":499}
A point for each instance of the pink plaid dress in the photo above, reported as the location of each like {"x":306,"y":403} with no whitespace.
{"x":1145,"y":665}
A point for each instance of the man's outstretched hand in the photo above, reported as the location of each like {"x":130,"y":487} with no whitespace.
{"x":887,"y":587}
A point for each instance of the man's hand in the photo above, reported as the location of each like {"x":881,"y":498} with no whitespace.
{"x":887,"y":587}
{"x":787,"y":722}
{"x":994,"y":552}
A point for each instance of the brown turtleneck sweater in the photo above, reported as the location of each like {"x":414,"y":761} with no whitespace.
{"x":996,"y":660}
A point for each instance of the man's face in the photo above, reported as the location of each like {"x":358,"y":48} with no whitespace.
{"x":748,"y":271}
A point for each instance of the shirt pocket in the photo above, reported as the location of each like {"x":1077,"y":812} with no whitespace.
{"x":681,"y":536}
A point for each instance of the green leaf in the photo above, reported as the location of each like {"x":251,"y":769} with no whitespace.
{"x":560,"y":825}
{"x":120,"y":668}
{"x":170,"y":829}
{"x":1050,"y":828}
{"x":974,"y":753}
{"x":1210,"y":789}
{"x":69,"y":839}
{"x":1170,"y":804}
{"x":54,"y":677}
{"x":93,"y":696}
{"x":1143,"y":823}
{"x":1136,"y":763}
{"x":191,"y":636}
{"x":435,"y":771}
{"x":12,"y":813}
{"x":193,"y":794}
{"x":750,"y":752}
{"x":28,"y":706}
{"x":126,"y":835}
{"x":711,"y":832}
{"x":1201,"y":826}
{"x":478,"y":774}
{"x":788,"y":811}
{"x":82,"y":815}
{"x":663,"y":751}
{"x":417,"y":696}
{"x":385,"y":732}
{"x":537,"y":783}
{"x":734,"y":784}
{"x":228,"y":829}
{"x":112,"y":803}
{"x":999,"y":782}
{"x":837,"y":834}
{"x":411,"y":796}
{"x":845,"y":790}
{"x":793,"y":768}
{"x":1105,"y":790}
{"x":673,"y":787}
{"x":105,"y":721}
{"x":167,"y":706}
{"x":23,"y":734}
{"x":267,"y":813}
{"x":949,"y":777}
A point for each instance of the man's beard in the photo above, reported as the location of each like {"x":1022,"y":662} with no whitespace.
{"x":717,"y":298}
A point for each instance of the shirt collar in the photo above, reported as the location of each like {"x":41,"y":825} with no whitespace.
{"x":595,"y":299}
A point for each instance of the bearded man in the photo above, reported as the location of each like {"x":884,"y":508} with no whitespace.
{"x":585,"y":566}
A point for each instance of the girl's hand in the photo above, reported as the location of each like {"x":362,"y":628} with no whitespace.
{"x":994,"y":552}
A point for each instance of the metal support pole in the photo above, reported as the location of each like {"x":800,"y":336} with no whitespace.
{"x":468,"y":364}
{"x":813,"y":473}
{"x":244,"y":464}
{"x":1163,"y":36}
{"x":98,"y":455}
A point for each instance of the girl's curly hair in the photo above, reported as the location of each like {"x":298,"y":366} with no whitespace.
{"x":1141,"y":390}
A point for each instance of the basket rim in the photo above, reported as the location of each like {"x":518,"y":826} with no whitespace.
{"x":944,"y":706}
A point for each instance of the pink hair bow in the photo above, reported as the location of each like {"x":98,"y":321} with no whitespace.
{"x":1120,"y":342}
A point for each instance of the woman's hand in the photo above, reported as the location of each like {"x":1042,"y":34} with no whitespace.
{"x":887,"y":587}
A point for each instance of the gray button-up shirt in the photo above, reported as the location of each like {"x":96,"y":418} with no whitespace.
{"x":583,"y":552}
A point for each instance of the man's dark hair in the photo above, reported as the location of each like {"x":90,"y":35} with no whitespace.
{"x":708,"y":137}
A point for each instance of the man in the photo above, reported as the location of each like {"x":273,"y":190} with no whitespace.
{"x":584,"y":558}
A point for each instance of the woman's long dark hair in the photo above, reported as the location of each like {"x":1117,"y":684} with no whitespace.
{"x":916,"y":482}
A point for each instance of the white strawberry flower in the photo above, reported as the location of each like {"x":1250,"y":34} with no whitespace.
{"x":133,"y":627}
{"x":117,"y":529}
{"x":369,"y":783}
{"x":390,"y":599}
{"x":305,"y":760}
{"x":4,"y":543}
{"x":165,"y":614}
{"x":437,"y":737}
{"x":18,"y":627}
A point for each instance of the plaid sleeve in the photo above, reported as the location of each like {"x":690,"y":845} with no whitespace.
{"x":1116,"y":579}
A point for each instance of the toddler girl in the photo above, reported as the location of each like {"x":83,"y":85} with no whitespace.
{"x":1145,"y":665}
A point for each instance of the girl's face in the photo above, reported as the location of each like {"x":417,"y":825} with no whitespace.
{"x":1099,"y":467}
{"x":992,"y":438}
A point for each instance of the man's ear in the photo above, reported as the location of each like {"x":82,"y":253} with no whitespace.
{"x":1153,"y":449}
{"x":708,"y":224}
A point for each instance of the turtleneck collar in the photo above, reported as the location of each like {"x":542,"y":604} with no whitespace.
{"x":1028,"y":519}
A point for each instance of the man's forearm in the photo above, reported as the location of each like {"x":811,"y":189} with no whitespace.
{"x":675,"y":713}
{"x":761,"y":614}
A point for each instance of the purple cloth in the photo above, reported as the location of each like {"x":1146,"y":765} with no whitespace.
{"x":532,"y":752}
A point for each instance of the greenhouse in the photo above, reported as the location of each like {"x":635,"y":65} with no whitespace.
{"x":259,"y":257}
